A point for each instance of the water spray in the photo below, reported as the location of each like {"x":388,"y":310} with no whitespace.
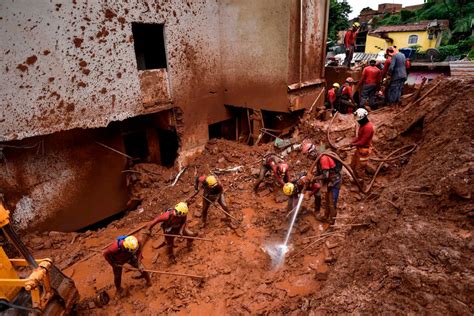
{"x":277,"y":252}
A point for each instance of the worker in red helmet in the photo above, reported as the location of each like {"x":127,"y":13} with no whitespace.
{"x":328,"y":171}
{"x":125,"y":250}
{"x":370,"y":83}
{"x":213,"y":192}
{"x":347,"y":103}
{"x":279,"y":168}
{"x":173,"y":222}
{"x":349,"y":43}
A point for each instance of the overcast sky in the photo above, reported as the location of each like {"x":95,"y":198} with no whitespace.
{"x":358,"y":5}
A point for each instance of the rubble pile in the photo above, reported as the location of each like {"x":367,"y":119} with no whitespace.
{"x":406,"y":246}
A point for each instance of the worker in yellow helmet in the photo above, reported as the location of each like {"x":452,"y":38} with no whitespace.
{"x":213,"y":192}
{"x":173,"y":222}
{"x":350,"y":43}
{"x":125,"y":249}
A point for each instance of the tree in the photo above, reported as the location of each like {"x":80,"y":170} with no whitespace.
{"x":338,"y":18}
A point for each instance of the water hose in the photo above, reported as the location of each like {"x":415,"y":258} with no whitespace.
{"x":409,"y":149}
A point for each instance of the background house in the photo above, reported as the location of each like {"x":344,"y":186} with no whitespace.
{"x":424,"y":34}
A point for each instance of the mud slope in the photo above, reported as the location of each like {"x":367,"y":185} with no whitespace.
{"x":417,"y":255}
{"x":412,"y":254}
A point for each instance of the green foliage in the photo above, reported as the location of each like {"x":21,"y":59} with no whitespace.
{"x":416,"y":47}
{"x":463,"y":47}
{"x":405,"y":15}
{"x":338,"y":18}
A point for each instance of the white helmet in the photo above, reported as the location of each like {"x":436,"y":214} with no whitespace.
{"x":360,"y":114}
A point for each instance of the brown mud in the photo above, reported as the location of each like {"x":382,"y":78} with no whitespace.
{"x":412,"y":253}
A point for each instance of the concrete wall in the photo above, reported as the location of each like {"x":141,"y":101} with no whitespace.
{"x":260,"y":50}
{"x":71,"y":64}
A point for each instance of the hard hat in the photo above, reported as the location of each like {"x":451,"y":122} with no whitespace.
{"x":356,"y":24}
{"x":130,"y":243}
{"x":350,"y":80}
{"x":282,"y":167}
{"x":360,"y":114}
{"x":211,"y":181}
{"x":181,"y":209}
{"x":288,"y":188}
{"x":307,"y":147}
{"x":336,"y":85}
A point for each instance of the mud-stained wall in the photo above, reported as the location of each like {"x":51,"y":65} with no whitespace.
{"x":70,"y":64}
{"x":260,"y":47}
{"x":64,"y":181}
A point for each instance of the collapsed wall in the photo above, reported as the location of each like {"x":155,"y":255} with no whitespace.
{"x":417,"y":254}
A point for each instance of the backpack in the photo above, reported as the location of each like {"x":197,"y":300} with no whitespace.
{"x":119,"y":239}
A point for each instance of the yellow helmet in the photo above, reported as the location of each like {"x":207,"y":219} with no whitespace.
{"x":181,"y":209}
{"x":211,"y":181}
{"x":356,"y":24}
{"x":288,"y":188}
{"x":130,"y":243}
{"x":336,"y":85}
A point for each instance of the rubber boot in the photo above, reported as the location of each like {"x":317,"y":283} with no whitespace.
{"x":169,"y":252}
{"x":317,"y":205}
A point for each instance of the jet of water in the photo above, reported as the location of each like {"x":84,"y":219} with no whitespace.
{"x":277,"y":252}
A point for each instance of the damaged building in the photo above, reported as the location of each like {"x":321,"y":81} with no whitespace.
{"x":91,"y":87}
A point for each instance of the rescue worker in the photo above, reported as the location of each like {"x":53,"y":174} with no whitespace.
{"x":309,"y":149}
{"x":397,"y":73}
{"x":301,"y":185}
{"x":346,"y":98}
{"x":213,"y":192}
{"x":125,"y":249}
{"x":173,"y":222}
{"x":328,"y":171}
{"x":277,"y":166}
{"x":370,"y":83}
{"x":349,"y":43}
{"x":332,"y":96}
{"x":363,"y":141}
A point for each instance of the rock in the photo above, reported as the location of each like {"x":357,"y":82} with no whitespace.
{"x":241,"y":186}
{"x":322,"y":276}
{"x":281,"y":198}
{"x":254,"y":171}
{"x":48,"y":244}
{"x":221,"y":160}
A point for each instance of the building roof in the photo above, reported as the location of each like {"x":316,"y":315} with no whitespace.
{"x":419,"y":26}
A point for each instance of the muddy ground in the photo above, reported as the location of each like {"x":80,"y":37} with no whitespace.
{"x":405,"y":247}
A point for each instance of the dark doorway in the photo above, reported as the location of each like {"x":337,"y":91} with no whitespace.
{"x":169,"y":144}
{"x":149,"y":43}
{"x":225,"y":129}
{"x":136,"y":145}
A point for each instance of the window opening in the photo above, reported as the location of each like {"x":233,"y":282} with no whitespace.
{"x":149,"y":43}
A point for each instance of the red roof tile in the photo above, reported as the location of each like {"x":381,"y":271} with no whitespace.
{"x":419,"y":26}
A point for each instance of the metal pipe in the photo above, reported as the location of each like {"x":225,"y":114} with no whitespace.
{"x":19,"y":245}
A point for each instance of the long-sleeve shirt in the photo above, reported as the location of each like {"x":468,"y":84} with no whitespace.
{"x":169,"y":220}
{"x":386,"y":65}
{"x":364,"y":136}
{"x":272,"y":163}
{"x":208,"y":191}
{"x":332,"y":96}
{"x":371,"y":75}
{"x":349,"y":38}
{"x":311,"y":187}
{"x":397,"y":69}
{"x":116,"y":255}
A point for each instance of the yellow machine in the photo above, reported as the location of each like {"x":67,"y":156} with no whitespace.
{"x":46,"y":290}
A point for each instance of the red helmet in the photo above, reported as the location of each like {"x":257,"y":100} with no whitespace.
{"x":282,"y":168}
{"x":350,"y":80}
{"x":307,"y":147}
